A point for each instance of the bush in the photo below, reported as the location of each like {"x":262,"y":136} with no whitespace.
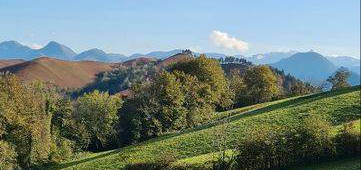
{"x":275,"y":147}
{"x":162,"y":163}
{"x":348,"y":141}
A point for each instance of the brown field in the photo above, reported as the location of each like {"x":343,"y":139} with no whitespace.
{"x":10,"y":62}
{"x":65,"y":74}
{"x":173,"y":59}
{"x":139,"y":60}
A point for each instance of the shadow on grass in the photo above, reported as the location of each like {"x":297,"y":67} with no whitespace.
{"x":55,"y":166}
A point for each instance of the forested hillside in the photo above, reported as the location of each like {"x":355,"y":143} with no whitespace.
{"x":177,"y":109}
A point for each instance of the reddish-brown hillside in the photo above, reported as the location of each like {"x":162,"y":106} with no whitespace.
{"x":65,"y":74}
{"x":10,"y":62}
{"x":140,"y":60}
{"x":174,"y":59}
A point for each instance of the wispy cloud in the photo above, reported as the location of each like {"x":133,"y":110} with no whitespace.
{"x":222,"y":39}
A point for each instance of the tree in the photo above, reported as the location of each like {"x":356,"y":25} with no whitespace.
{"x":198,"y":99}
{"x":25,"y":120}
{"x":208,"y":71}
{"x":98,"y":113}
{"x":339,"y":79}
{"x":183,"y":97}
{"x":119,"y":78}
{"x":238,"y":87}
{"x":261,"y":84}
{"x":155,"y":108}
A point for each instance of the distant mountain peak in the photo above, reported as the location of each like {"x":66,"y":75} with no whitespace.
{"x":54,"y":44}
{"x":57,"y":50}
{"x":96,"y":54}
{"x":13,"y":50}
{"x":95,"y":50}
{"x":308,"y":66}
{"x":11,"y":42}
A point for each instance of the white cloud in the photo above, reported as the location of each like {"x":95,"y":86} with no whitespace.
{"x":36,"y":46}
{"x":222,"y":39}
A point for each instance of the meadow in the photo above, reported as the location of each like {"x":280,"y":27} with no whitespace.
{"x":193,"y":145}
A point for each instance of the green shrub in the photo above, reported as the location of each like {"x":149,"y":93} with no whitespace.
{"x":348,"y":141}
{"x":274,"y":147}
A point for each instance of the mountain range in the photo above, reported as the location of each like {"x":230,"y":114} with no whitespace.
{"x":312,"y":67}
{"x":344,"y":61}
{"x":307,"y":66}
{"x":270,"y":58}
{"x":15,"y":50}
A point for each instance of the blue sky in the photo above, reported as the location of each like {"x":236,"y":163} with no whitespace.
{"x":331,"y":27}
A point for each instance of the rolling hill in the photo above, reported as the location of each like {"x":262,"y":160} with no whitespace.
{"x":193,"y":145}
{"x":65,"y":74}
{"x":10,"y":62}
{"x":140,"y":60}
{"x":174,"y":59}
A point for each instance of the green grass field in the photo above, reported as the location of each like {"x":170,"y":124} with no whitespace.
{"x":205,"y":160}
{"x":337,"y":106}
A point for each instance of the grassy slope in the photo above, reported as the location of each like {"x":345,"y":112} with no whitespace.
{"x":338,"y":107}
{"x":205,"y":160}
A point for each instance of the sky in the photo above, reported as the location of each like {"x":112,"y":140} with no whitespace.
{"x":331,"y":27}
